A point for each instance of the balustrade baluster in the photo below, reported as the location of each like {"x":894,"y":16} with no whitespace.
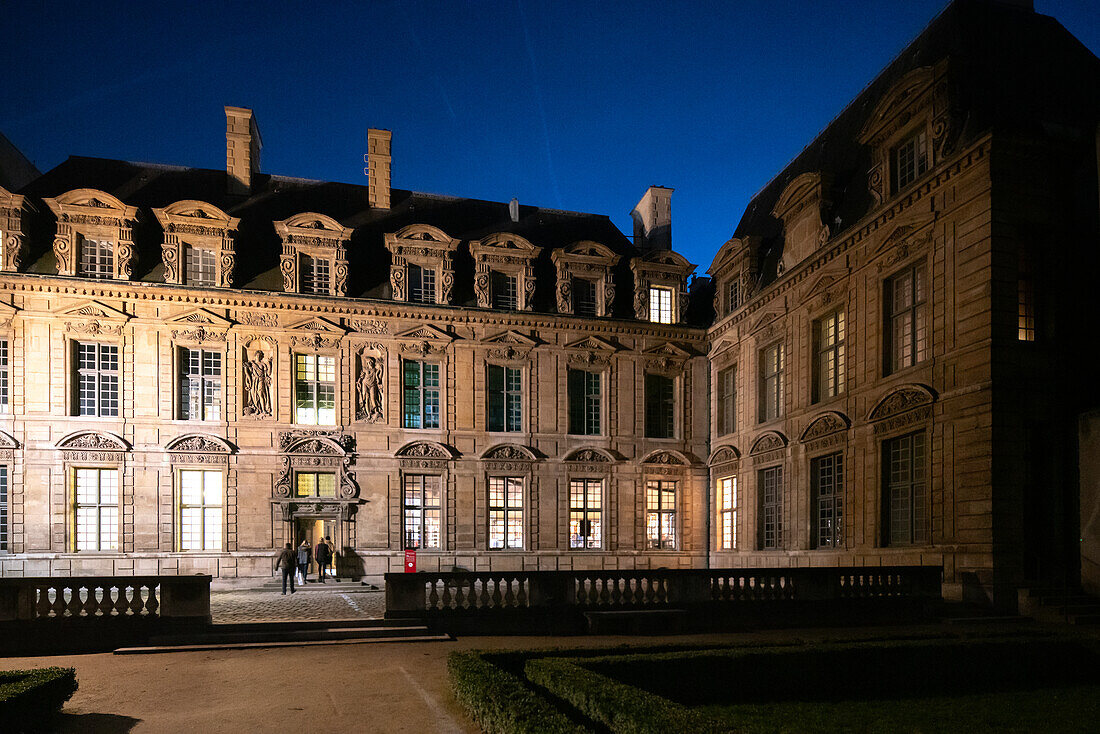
{"x":433,"y":594}
{"x":154,"y":599}
{"x":497,"y":598}
{"x":509,"y":594}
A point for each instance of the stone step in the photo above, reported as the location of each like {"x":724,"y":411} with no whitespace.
{"x":330,"y":585}
{"x":219,"y":635}
{"x":431,"y":637}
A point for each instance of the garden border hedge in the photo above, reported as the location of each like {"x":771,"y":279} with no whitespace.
{"x":29,"y":698}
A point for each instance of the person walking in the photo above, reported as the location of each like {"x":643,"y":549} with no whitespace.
{"x":323,"y":554}
{"x":287,"y":563}
{"x":305,"y":555}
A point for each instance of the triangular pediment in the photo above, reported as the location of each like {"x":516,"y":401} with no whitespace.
{"x":763,"y":320}
{"x":7,"y":312}
{"x":905,"y":227}
{"x":667,"y":349}
{"x":426,"y":332}
{"x":721,"y":345}
{"x":510,"y":337}
{"x":92,"y":310}
{"x":318,"y":323}
{"x":200,"y":316}
{"x":823,"y":282}
{"x":593,"y":343}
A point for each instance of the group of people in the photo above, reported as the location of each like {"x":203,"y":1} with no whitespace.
{"x":293,"y":561}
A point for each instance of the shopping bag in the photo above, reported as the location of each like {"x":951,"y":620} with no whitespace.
{"x":298,"y":577}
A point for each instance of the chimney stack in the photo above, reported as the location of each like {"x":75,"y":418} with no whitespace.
{"x":378,"y":168}
{"x":653,"y":219}
{"x":242,"y":149}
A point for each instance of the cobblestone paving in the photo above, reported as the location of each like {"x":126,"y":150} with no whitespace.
{"x":264,"y":605}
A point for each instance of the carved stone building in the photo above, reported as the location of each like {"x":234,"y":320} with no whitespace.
{"x":198,"y":366}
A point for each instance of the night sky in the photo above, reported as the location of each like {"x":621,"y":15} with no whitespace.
{"x":566,"y":105}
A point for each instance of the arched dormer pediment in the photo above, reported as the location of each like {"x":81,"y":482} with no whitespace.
{"x":426,"y":450}
{"x":725,"y":256}
{"x":800,"y":208}
{"x":321,"y":225}
{"x":768,"y":441}
{"x":590,"y":455}
{"x":85,"y":201}
{"x":898,"y":99}
{"x":668,"y":259}
{"x":507,"y":242}
{"x":188,"y":211}
{"x":825,"y":424}
{"x":665,"y":457}
{"x":93,"y":441}
{"x":509,"y":452}
{"x":588,"y":249}
{"x":423,"y":233}
{"x":199,"y":443}
{"x":901,"y":400}
{"x":724,"y":455}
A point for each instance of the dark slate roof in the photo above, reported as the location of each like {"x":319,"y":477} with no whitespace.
{"x":15,"y":169}
{"x":278,"y":197}
{"x":1014,"y":71}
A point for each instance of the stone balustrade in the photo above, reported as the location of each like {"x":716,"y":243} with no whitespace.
{"x":57,"y":598}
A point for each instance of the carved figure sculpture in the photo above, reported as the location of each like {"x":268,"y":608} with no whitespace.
{"x":370,"y":388}
{"x":257,"y":385}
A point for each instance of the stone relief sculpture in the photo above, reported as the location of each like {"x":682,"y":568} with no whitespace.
{"x":257,"y":386}
{"x":369,"y":386}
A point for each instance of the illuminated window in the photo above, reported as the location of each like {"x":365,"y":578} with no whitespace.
{"x":585,"y":403}
{"x":314,"y":484}
{"x":733,"y":296}
{"x":660,"y":419}
{"x":906,"y":319}
{"x":660,"y":304}
{"x":502,"y":290}
{"x":423,"y":494}
{"x":1025,"y":291}
{"x":827,"y":505}
{"x":421,"y":284}
{"x":200,"y":510}
{"x":97,"y":258}
{"x":906,"y":496}
{"x":505,"y":399}
{"x":585,"y":501}
{"x":727,"y":400}
{"x":769,"y":490}
{"x":660,"y":514}
{"x":421,"y":395}
{"x":200,"y":266}
{"x":97,"y":379}
{"x":96,"y":509}
{"x":5,"y":383}
{"x":908,"y":161}
{"x":727,"y":513}
{"x":584,"y":297}
{"x":315,"y":389}
{"x":200,"y":385}
{"x":771,"y":382}
{"x":829,"y":357}
{"x":3,"y":509}
{"x":316,"y":275}
{"x":506,"y":512}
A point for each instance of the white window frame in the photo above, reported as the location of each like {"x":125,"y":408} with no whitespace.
{"x":311,"y":386}
{"x":210,"y":514}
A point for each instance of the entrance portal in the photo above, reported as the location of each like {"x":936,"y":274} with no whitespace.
{"x":313,"y":529}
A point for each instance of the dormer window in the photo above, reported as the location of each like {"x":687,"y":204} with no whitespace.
{"x":502,"y":289}
{"x":421,"y":284}
{"x":316,"y":275}
{"x":586,"y":286}
{"x":660,"y":305}
{"x":660,"y":286}
{"x":13,"y":211}
{"x":733,"y":296}
{"x":504,"y":267}
{"x":584,"y":297}
{"x":97,"y":257}
{"x":200,"y":266}
{"x":95,"y":234}
{"x":314,"y":258}
{"x":198,"y":247}
{"x":422,"y":264}
{"x":908,"y":161}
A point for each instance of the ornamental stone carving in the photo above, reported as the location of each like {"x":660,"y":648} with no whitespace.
{"x":369,"y":326}
{"x":315,"y":441}
{"x":589,"y":456}
{"x":91,"y":441}
{"x":424,"y":450}
{"x":724,"y":455}
{"x":664,"y":457}
{"x":370,"y":383}
{"x":257,"y":385}
{"x":199,"y":444}
{"x":509,"y":452}
{"x":824,"y":425}
{"x":770,"y":441}
{"x":901,"y":400}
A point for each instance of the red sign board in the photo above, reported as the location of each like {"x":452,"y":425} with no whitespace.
{"x":410,"y":560}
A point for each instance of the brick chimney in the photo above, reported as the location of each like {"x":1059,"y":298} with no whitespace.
{"x":378,"y":168}
{"x":653,"y":219}
{"x":242,"y":149}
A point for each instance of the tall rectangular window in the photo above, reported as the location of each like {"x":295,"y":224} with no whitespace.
{"x":423,"y":503}
{"x":314,"y":484}
{"x":584,"y":297}
{"x":827,"y":502}
{"x":660,"y":304}
{"x":727,"y":513}
{"x":96,"y":509}
{"x":97,"y":379}
{"x":733,"y":296}
{"x":315,"y":389}
{"x":421,"y":381}
{"x":316,"y":275}
{"x":769,"y":490}
{"x":503,"y":291}
{"x":585,"y":404}
{"x":660,"y":514}
{"x":771,"y":382}
{"x":200,"y":510}
{"x":3,"y":509}
{"x":828,"y":357}
{"x":585,"y":502}
{"x":5,"y":380}
{"x":727,"y":401}
{"x":505,"y":398}
{"x":1025,"y":297}
{"x":659,"y":407}
{"x":97,"y":258}
{"x":421,"y":284}
{"x":906,"y":319}
{"x":200,"y":385}
{"x":906,"y":495}
{"x":200,"y":266}
{"x":908,"y":161}
{"x":506,"y":513}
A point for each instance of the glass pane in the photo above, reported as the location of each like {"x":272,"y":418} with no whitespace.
{"x":306,"y":485}
{"x":326,"y":485}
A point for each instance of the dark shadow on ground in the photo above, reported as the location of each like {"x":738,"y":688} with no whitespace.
{"x":65,"y":723}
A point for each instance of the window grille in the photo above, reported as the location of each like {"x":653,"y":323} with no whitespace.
{"x":96,"y":509}
{"x":660,"y":516}
{"x":505,"y":399}
{"x":97,"y":379}
{"x":200,"y":510}
{"x":421,"y":381}
{"x":315,"y":389}
{"x":769,"y":488}
{"x":585,"y":502}
{"x":200,"y":385}
{"x":423,"y":496}
{"x":506,"y":512}
{"x":585,"y":404}
{"x":827,"y":477}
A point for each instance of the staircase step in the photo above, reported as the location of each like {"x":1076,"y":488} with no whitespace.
{"x":222,"y":637}
{"x":294,"y":643}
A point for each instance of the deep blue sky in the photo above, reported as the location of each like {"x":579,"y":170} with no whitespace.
{"x":567,"y":105}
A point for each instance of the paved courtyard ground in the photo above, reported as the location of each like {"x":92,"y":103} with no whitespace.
{"x":261,"y":604}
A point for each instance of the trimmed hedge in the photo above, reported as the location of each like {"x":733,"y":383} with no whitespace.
{"x":620,"y":707}
{"x":31,"y":698}
{"x":500,"y":702}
